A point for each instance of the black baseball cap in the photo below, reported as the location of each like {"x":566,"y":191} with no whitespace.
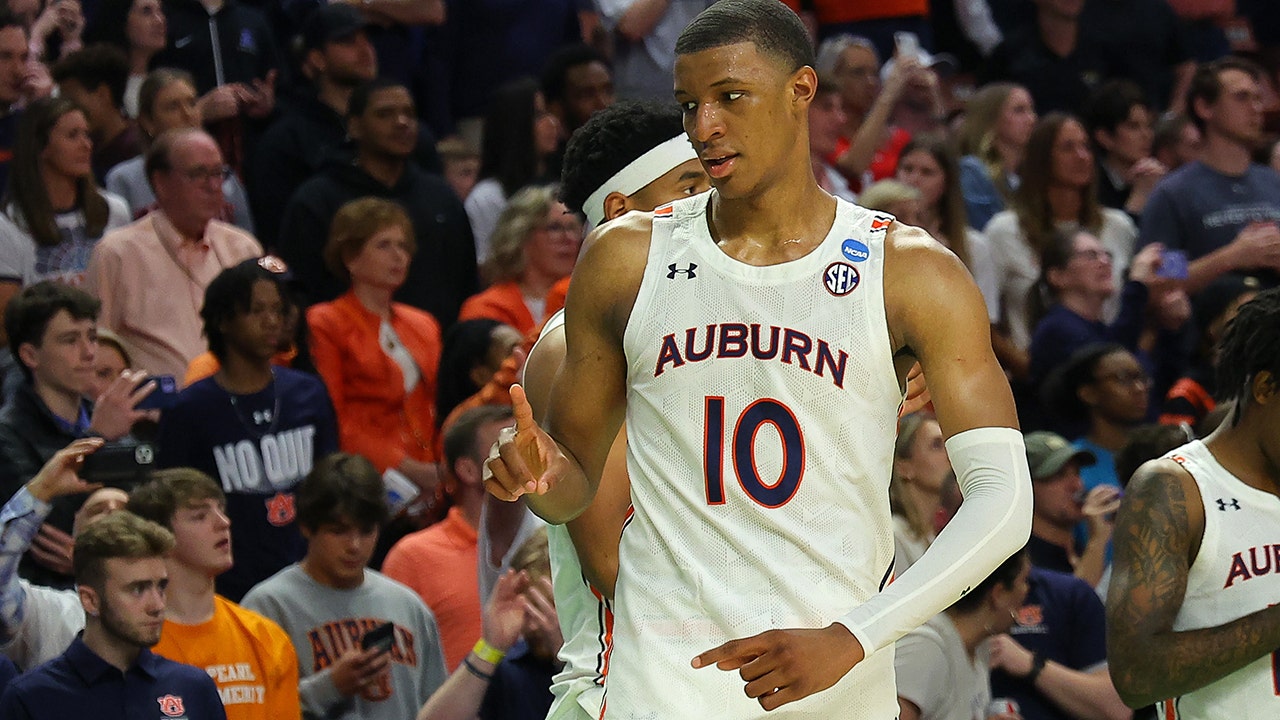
{"x":329,"y":22}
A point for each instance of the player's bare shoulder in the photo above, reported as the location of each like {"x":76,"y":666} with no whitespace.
{"x":925,"y":283}
{"x":608,"y":274}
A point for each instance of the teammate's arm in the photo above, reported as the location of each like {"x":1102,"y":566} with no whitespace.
{"x":596,"y":532}
{"x":558,"y":469}
{"x":1157,"y":536}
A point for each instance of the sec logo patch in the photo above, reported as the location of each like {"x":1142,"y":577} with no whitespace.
{"x":840,"y":278}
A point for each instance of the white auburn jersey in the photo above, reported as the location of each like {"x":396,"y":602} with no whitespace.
{"x":761,"y":412}
{"x":1236,"y":572}
{"x":584,"y":615}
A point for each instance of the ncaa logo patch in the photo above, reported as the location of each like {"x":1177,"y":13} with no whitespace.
{"x":840,"y":278}
{"x":855,"y":251}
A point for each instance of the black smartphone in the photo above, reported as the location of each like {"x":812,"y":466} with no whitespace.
{"x":163,"y":397}
{"x":380,"y":637}
{"x":119,"y":464}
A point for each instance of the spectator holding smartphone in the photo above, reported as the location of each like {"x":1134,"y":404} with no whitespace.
{"x":319,"y":600}
{"x":53,"y":336}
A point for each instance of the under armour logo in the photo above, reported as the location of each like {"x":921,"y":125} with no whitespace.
{"x":1223,"y":504}
{"x":687,"y":272}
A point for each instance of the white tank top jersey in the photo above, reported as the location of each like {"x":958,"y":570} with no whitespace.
{"x":1236,"y":572}
{"x":761,"y":412}
{"x":584,"y":617}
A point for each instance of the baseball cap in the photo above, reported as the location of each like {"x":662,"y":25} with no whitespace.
{"x":329,"y":22}
{"x":1048,"y":452}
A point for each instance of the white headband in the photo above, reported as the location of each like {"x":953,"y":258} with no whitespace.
{"x":639,"y":172}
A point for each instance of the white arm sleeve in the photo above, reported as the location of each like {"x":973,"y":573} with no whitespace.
{"x":993,"y":522}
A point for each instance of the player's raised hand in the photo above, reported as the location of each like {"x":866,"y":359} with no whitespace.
{"x":525,"y":460}
{"x":782,"y":666}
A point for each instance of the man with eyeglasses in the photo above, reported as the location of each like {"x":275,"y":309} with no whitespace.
{"x":151,"y":275}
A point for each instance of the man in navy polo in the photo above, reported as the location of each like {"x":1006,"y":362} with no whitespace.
{"x":108,"y":671}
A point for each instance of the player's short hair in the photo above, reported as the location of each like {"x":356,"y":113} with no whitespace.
{"x":1148,"y":442}
{"x":27,"y":315}
{"x":342,"y":488}
{"x":460,"y":436}
{"x":1005,"y":575}
{"x":363,"y":93}
{"x":1061,"y":391}
{"x":772,"y":26}
{"x":95,"y":66}
{"x":167,"y":491}
{"x":612,"y":139}
{"x":1250,"y":345}
{"x":1206,"y":83}
{"x":117,"y":535}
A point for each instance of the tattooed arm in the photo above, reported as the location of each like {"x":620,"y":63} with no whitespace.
{"x":1157,"y":536}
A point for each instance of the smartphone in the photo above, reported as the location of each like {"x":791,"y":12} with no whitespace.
{"x":1173,"y":265}
{"x":121,"y":464}
{"x":908,"y":44}
{"x":163,"y":397}
{"x":380,"y":637}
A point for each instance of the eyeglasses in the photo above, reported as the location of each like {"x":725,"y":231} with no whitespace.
{"x":197,"y":174}
{"x":1092,"y":254}
{"x":1126,"y":378}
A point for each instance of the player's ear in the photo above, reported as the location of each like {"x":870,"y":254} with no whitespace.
{"x":804,"y":85}
{"x":1264,"y":387}
{"x":88,"y":599}
{"x":615,"y":204}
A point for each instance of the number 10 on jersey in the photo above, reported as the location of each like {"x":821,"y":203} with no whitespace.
{"x":740,"y":443}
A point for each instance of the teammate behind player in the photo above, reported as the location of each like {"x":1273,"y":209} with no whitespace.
{"x":630,"y":156}
{"x":1191,"y":616}
{"x":810,"y":333}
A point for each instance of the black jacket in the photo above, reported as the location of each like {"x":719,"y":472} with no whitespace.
{"x":29,"y":436}
{"x":443,"y":272}
{"x":245,"y":50}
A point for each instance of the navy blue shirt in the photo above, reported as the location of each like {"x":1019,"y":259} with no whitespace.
{"x":259,"y":447}
{"x":1063,"y":620}
{"x":79,"y":684}
{"x":521,"y":687}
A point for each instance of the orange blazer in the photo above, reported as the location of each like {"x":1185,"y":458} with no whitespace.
{"x":502,"y":302}
{"x":375,"y":416}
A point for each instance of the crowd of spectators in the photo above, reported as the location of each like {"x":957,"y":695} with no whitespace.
{"x":294,"y":252}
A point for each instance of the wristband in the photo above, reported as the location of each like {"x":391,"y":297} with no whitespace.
{"x":1037,"y":666}
{"x":488,"y":653}
{"x":466,"y":661}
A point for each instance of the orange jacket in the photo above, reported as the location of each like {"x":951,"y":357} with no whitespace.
{"x":502,"y":302}
{"x":556,"y":297}
{"x":375,"y":417}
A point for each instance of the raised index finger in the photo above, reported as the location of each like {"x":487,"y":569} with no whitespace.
{"x":731,"y":655}
{"x":522,"y":409}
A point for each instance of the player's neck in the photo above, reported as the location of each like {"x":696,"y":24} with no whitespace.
{"x":1065,"y":202}
{"x":1051,"y":532}
{"x":767,"y":227}
{"x":375,"y":299}
{"x":189,"y":597}
{"x":971,"y":627}
{"x":1243,"y":451}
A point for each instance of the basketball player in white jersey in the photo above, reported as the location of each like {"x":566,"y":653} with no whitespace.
{"x":628,"y":156}
{"x":1193,"y":620}
{"x":756,"y":339}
